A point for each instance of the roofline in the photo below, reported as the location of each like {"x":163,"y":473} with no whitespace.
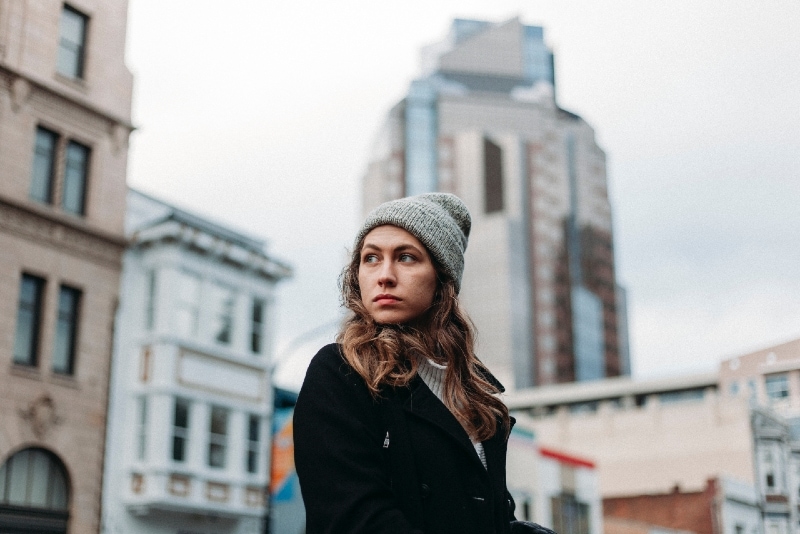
{"x":609,"y":388}
{"x":202,"y":223}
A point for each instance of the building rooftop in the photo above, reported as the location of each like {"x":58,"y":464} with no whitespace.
{"x":606,"y":389}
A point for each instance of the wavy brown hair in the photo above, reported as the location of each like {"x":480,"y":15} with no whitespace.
{"x":389,"y":354}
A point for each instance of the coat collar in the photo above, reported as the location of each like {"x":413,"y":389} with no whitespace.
{"x":419,"y":400}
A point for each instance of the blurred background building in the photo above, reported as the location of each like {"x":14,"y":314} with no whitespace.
{"x":189,"y":431}
{"x":65,"y":108}
{"x":693,"y":453}
{"x":482,"y":122}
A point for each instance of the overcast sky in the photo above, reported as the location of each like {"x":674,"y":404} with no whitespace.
{"x":260,"y":115}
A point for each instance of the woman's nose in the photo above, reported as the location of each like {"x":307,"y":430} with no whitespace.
{"x":387,"y":275}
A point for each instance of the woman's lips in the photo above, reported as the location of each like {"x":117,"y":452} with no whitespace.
{"x":385,"y":299}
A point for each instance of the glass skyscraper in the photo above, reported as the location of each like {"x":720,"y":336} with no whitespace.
{"x":482,"y":122}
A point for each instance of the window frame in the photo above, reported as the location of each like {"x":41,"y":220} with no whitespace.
{"x":34,"y":336}
{"x":180,"y":434}
{"x":218,"y":441}
{"x":253,"y":452}
{"x":258,"y":311}
{"x":71,"y":52}
{"x":72,"y":322}
{"x":56,"y":475}
{"x":187,"y":306}
{"x":773,"y":393}
{"x":52,"y":164}
{"x":222,"y":312}
{"x":82,"y":178}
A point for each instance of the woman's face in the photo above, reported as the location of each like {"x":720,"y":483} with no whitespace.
{"x":396,"y":276}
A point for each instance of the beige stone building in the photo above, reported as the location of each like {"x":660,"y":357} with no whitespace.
{"x":482,"y":122}
{"x":65,"y":99}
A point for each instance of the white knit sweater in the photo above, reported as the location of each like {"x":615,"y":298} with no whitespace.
{"x":432,"y":374}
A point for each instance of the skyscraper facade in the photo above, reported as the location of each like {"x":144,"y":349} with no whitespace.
{"x":482,"y":122}
{"x":65,"y":102}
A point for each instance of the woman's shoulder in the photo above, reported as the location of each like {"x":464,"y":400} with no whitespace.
{"x":329,"y":357}
{"x":330,"y":379}
{"x":329,"y":364}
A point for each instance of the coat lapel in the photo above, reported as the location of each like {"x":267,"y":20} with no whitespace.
{"x":420,"y":401}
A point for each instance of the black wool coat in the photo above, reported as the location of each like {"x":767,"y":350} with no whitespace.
{"x":400,"y":464}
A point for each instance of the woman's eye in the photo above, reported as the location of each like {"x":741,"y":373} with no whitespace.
{"x":406,"y":257}
{"x":369,"y":258}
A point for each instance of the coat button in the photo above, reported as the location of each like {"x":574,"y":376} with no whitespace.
{"x":424,"y":491}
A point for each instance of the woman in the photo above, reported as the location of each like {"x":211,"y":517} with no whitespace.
{"x":398,"y":428}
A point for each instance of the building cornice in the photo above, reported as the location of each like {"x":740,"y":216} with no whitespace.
{"x":180,"y":231}
{"x":52,"y":90}
{"x":73,"y":235}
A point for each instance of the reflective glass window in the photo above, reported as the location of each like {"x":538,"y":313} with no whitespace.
{"x":66,"y":330}
{"x":34,"y":478}
{"x":43,"y":172}
{"x":29,"y":310}
{"x":72,"y":43}
{"x":777,"y":386}
{"x":76,"y":170}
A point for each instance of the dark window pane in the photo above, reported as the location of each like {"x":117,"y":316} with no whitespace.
{"x":181,"y":413}
{"x":180,"y":429}
{"x":218,"y":439}
{"x":66,"y":330}
{"x":253,"y":431}
{"x":219,"y":421}
{"x":257,"y":326}
{"x":72,"y":43}
{"x":493,"y":176}
{"x":252,"y":461}
{"x":28,"y":317}
{"x":44,"y":152}
{"x":75,"y":173}
{"x":253,"y":437}
{"x":178,"y":448}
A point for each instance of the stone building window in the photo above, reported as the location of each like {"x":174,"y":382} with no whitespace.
{"x":48,"y":184}
{"x":72,"y":43}
{"x":76,"y":172}
{"x":44,"y":165}
{"x":66,"y":330}
{"x":29,"y":311}
{"x":34,"y":493}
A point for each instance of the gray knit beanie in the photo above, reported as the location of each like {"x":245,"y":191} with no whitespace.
{"x":439,"y":220}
